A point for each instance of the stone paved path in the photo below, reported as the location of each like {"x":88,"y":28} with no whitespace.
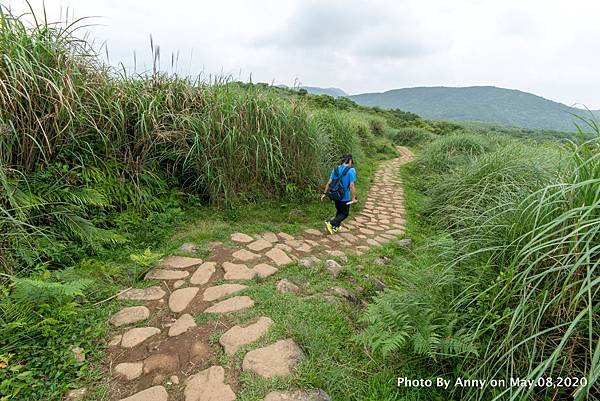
{"x":159,"y":353}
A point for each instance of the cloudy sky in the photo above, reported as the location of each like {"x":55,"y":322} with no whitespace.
{"x":547,"y":47}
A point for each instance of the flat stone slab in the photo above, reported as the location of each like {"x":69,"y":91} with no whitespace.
{"x":181,"y":325}
{"x":208,"y":385}
{"x":245,"y":256}
{"x":156,"y":393}
{"x":203,"y":274}
{"x":241,"y":238}
{"x":259,"y":245}
{"x":278,"y":359}
{"x":231,"y":305}
{"x":235,"y":271}
{"x":312,"y":231}
{"x":180,"y":262}
{"x":279,"y":257}
{"x":181,"y":298}
{"x":264,"y":270}
{"x":163,"y":274}
{"x":129,"y":370}
{"x":221,"y":291}
{"x":143,"y":294}
{"x":238,"y":336}
{"x":298,"y":395}
{"x":271,"y":237}
{"x":129,"y":315}
{"x":137,"y":336}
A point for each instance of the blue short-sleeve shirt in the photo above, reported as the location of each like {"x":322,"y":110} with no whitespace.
{"x":346,"y":180}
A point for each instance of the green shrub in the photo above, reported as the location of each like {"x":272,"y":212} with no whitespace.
{"x":412,"y":136}
{"x":447,"y":152}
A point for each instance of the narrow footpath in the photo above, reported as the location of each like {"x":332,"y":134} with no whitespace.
{"x":158,"y":351}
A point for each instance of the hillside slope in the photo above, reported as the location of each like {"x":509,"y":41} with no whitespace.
{"x":314,"y":90}
{"x":478,"y":103}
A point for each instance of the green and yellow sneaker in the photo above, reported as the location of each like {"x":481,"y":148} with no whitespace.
{"x":329,"y":227}
{"x":336,"y":229}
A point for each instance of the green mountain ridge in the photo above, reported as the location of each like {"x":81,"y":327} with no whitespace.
{"x":487,"y":104}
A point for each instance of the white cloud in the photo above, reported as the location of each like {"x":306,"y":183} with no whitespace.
{"x":547,"y":47}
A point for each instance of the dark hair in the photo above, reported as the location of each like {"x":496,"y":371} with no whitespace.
{"x":346,"y":158}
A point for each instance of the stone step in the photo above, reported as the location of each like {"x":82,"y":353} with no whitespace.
{"x":129,"y":315}
{"x":143,"y":294}
{"x":221,"y":291}
{"x":203,"y":273}
{"x":231,"y":305}
{"x":180,"y":262}
{"x":137,"y":336}
{"x":181,"y":298}
{"x":208,"y":385}
{"x":238,"y":336}
{"x":181,"y":325}
{"x":278,"y":359}
{"x":156,"y":393}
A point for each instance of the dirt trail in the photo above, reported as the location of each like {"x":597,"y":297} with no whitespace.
{"x":159,"y":353}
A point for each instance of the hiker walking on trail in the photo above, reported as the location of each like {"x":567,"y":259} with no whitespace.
{"x":340,"y":189}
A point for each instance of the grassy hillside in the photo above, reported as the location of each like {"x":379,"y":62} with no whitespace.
{"x":314,"y":90}
{"x":478,"y":103}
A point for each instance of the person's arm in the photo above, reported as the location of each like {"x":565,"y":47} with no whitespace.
{"x":353,"y":191}
{"x":326,"y":189}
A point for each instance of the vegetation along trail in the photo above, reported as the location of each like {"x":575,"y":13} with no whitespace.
{"x":159,"y":337}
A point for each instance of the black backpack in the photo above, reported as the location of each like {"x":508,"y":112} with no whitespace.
{"x":336,"y":188}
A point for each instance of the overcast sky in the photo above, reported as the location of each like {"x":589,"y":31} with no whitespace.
{"x":547,"y":47}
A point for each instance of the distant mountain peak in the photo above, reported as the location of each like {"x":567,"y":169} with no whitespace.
{"x":488,"y":104}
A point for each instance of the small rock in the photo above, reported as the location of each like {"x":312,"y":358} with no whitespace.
{"x":277,"y":359}
{"x":343,"y":259}
{"x":78,"y":354}
{"x":188,"y":247}
{"x":208,"y":385}
{"x":181,"y":325}
{"x":162,"y":362}
{"x":158,"y":379}
{"x":174,"y":379}
{"x":77,"y":394}
{"x":346,"y":294}
{"x":333,"y":267}
{"x":309,"y":261}
{"x":285,"y":285}
{"x":129,"y":315}
{"x":115,"y":341}
{"x":377,"y":283}
{"x":382,"y":261}
{"x":156,"y":393}
{"x":405,"y":243}
{"x":129,"y":370}
{"x":178,"y":284}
